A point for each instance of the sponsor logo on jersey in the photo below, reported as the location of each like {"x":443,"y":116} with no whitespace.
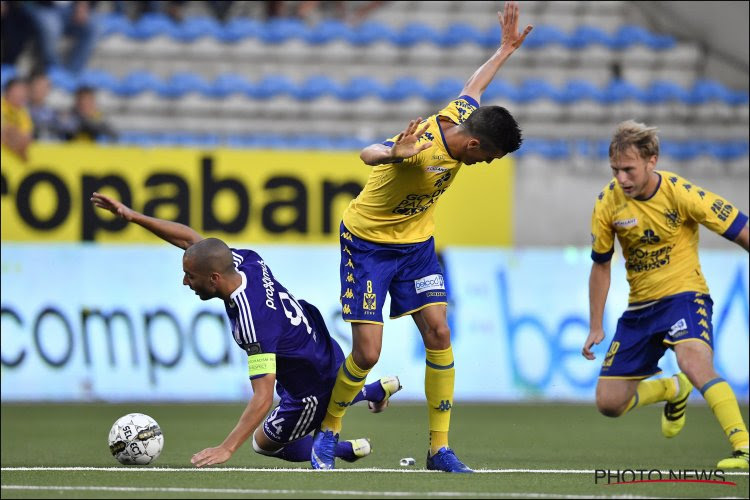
{"x":678,"y":329}
{"x":626,"y":223}
{"x":436,"y":168}
{"x":431,"y":282}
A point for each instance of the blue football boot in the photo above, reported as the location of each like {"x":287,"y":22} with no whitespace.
{"x":323,"y":455}
{"x":446,"y":460}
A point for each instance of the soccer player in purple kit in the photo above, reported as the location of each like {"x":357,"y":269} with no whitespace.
{"x":286,"y":340}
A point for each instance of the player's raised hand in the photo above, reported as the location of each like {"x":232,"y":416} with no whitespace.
{"x":509,"y":23}
{"x":406,"y":144}
{"x":595,"y":337}
{"x":211,"y":456}
{"x":114,"y":206}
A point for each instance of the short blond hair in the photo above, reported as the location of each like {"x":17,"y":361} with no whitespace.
{"x":629,"y":134}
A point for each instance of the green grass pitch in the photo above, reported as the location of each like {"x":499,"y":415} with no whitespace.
{"x":525,"y":450}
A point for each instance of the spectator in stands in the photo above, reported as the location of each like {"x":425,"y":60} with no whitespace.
{"x":16,"y":31}
{"x":52,"y":20}
{"x":47,"y":125}
{"x":85,"y":122}
{"x":15,"y":123}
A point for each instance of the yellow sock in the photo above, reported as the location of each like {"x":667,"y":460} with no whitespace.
{"x":349,"y":382}
{"x":723,"y":403}
{"x":439,"y":378}
{"x":652,"y":391}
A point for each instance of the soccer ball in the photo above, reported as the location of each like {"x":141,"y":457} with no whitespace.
{"x":135,"y":439}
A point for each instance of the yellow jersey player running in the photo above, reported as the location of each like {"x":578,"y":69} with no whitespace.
{"x":655,"y":216}
{"x":387,"y":245}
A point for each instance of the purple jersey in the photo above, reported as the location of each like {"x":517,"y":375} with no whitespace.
{"x":288,"y":336}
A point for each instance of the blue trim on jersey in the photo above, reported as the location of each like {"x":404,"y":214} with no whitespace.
{"x":440,"y":128}
{"x":602,"y":257}
{"x":350,"y":376}
{"x":390,"y":144}
{"x":737,"y":226}
{"x":655,"y":190}
{"x":470,"y":100}
{"x":710,"y":384}
{"x":438,"y":367}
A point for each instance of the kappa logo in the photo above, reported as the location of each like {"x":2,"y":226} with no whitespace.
{"x":431,"y":282}
{"x":678,"y":328}
{"x":626,"y":223}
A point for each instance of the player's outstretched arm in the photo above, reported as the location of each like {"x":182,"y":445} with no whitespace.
{"x":254,"y":413}
{"x":511,"y":40}
{"x":405,"y":146}
{"x":599,"y":281}
{"x":175,"y":233}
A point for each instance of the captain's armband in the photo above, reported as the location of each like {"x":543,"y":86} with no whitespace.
{"x":261,"y":364}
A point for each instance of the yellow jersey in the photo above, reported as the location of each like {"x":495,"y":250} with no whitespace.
{"x":397,"y":204}
{"x":12,"y":116}
{"x":659,"y":236}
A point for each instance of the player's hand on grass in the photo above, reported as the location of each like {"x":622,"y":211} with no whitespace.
{"x":114,"y":206}
{"x":211,"y":456}
{"x":406,"y":144}
{"x":595,"y":337}
{"x":509,"y":23}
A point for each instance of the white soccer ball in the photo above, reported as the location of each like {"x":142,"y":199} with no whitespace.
{"x":135,"y":439}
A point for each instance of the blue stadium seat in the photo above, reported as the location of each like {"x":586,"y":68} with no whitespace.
{"x":196,"y":27}
{"x":445,"y":89}
{"x":280,"y":29}
{"x":459,"y":33}
{"x":315,"y":87}
{"x":576,"y":90}
{"x":272,"y":85}
{"x":63,"y":79}
{"x":369,"y":32}
{"x":583,"y":36}
{"x":230,"y":83}
{"x":326,"y":31}
{"x":138,"y":81}
{"x":153,"y":24}
{"x":402,"y":88}
{"x":360,"y":87}
{"x":181,"y":83}
{"x":239,"y":28}
{"x":544,"y":35}
{"x":414,"y":32}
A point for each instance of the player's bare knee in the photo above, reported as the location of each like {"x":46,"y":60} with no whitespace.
{"x":366,"y":358}
{"x":608,"y":409}
{"x":438,"y":337}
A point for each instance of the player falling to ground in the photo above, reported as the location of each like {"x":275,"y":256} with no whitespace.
{"x":655,"y":216}
{"x":286,"y":341}
{"x":387,"y":245}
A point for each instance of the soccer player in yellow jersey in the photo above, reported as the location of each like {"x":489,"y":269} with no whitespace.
{"x":655,"y":216}
{"x":387,"y":245}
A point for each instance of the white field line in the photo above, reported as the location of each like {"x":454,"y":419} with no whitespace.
{"x":342,"y":471}
{"x":307,"y":492}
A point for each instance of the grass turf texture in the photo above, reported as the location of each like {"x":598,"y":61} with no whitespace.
{"x":495,"y":437}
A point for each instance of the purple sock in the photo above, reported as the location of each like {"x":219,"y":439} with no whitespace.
{"x":371,"y":392}
{"x":299,"y":451}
